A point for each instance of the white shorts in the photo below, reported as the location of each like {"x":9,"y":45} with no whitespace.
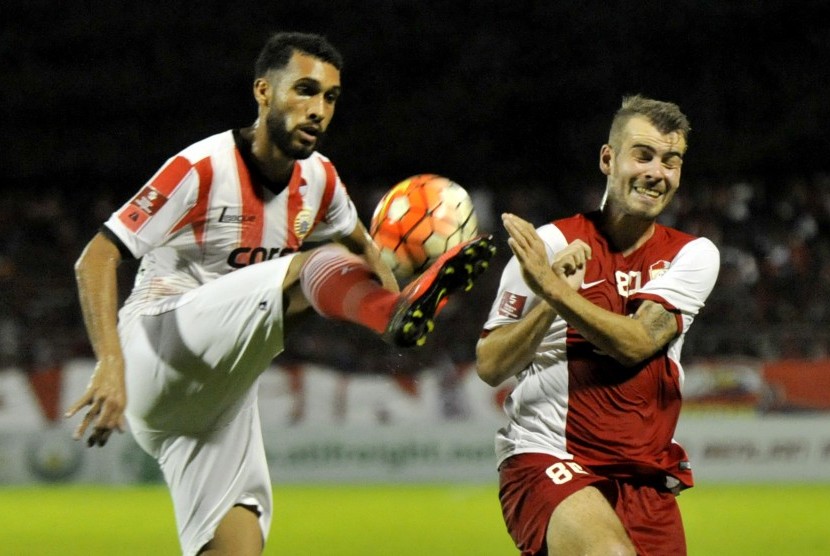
{"x":192,"y":367}
{"x":210,"y":473}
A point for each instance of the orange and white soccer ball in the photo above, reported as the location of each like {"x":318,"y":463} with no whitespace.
{"x":420,"y":219}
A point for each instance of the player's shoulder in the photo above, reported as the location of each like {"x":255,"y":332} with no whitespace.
{"x":552,"y":236}
{"x":558,"y":233}
{"x":317,"y":162}
{"x":678,"y":239}
{"x":580,"y":225}
{"x":702,"y":248}
{"x":318,"y":170}
{"x":319,"y":158}
{"x":582,"y":221}
{"x":212,"y":145}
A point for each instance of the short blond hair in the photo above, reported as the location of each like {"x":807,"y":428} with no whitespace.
{"x":665,"y":116}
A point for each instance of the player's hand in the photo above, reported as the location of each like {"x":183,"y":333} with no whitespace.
{"x":530,"y":251}
{"x":106,"y":397}
{"x":568,"y":264}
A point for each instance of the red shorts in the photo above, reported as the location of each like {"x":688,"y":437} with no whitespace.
{"x":531,"y":486}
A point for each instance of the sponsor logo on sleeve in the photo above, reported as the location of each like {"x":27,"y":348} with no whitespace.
{"x":149,"y":200}
{"x":144,"y":205}
{"x":512,"y":305}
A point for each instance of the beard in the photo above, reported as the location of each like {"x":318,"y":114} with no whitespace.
{"x":283,"y":139}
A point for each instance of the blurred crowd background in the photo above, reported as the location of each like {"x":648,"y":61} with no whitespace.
{"x":772,"y":299}
{"x":511,"y":100}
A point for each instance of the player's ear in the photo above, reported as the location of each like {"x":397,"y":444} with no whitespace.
{"x":606,"y":155}
{"x":262,"y":91}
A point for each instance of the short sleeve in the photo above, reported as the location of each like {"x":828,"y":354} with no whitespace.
{"x":341,"y":217}
{"x":146,"y":220}
{"x":514,"y":298}
{"x":688,"y":281}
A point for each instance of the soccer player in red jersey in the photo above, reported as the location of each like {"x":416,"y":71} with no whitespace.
{"x":218,"y":230}
{"x":590,"y":318}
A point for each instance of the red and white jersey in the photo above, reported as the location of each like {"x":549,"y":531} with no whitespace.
{"x":204,"y":214}
{"x":573,"y":401}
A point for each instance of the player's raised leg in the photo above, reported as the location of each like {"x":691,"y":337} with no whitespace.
{"x":419,"y":302}
{"x":340,"y":285}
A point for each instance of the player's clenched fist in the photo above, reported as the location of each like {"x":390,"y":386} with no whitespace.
{"x":569,"y":263}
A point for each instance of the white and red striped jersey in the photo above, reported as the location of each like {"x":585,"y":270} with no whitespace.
{"x":573,"y":401}
{"x":206,"y":213}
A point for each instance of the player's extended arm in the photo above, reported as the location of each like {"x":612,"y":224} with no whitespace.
{"x":95,"y":273}
{"x":510,"y":348}
{"x":360,"y":243}
{"x":628,"y":340}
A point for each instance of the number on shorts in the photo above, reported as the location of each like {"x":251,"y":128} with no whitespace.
{"x":560,"y":473}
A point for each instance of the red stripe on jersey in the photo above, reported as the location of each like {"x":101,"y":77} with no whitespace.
{"x":197,"y":216}
{"x":328,"y":194}
{"x":171,"y":176}
{"x":252,"y":204}
{"x":154,"y":195}
{"x":295,"y":205}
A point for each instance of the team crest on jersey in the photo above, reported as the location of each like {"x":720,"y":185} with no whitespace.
{"x":511,"y":305}
{"x":658,"y":269}
{"x":303,"y":222}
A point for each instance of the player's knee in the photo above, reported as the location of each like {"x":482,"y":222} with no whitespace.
{"x":616,"y":547}
{"x":604,"y":547}
{"x":607,"y":539}
{"x":292,"y":275}
{"x":613,"y":545}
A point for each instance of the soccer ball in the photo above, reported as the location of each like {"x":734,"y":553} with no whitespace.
{"x":420,"y":219}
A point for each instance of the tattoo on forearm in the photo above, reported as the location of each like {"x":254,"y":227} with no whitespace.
{"x":659,"y":323}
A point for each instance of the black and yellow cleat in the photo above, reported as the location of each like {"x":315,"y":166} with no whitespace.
{"x":457,"y":269}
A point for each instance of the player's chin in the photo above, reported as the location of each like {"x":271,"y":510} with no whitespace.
{"x":303,"y":150}
{"x":648,"y":208}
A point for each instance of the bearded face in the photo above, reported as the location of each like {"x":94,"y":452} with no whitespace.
{"x":297,"y":104}
{"x":297,"y":143}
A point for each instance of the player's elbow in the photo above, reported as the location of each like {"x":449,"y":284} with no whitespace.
{"x":489,"y":375}
{"x":81,"y":264}
{"x":488,"y":367}
{"x":626,"y":360}
{"x":634,"y":354}
{"x":99,"y":253}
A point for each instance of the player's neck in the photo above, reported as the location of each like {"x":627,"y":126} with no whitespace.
{"x":271,"y":162}
{"x":626,"y":233}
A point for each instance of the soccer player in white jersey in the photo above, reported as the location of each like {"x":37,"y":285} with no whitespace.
{"x":590,"y":317}
{"x":218,"y":230}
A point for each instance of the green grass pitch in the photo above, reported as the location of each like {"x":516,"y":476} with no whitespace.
{"x":404,"y":520}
